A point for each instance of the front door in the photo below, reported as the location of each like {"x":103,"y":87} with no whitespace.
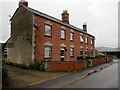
{"x":62,"y":54}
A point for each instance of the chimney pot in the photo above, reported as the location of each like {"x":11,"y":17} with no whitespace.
{"x":23,"y":2}
{"x":85,"y":27}
{"x":65,"y":16}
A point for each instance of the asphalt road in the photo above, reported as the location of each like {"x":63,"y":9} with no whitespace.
{"x":106,"y":78}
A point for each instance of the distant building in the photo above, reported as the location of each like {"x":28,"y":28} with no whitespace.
{"x":37,"y":36}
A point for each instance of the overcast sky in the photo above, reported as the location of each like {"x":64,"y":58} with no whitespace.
{"x":101,"y":16}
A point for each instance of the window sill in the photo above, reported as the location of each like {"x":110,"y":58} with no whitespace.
{"x":72,"y":40}
{"x":71,"y":56}
{"x":47,"y":35}
{"x":62,"y":38}
{"x":47,"y":58}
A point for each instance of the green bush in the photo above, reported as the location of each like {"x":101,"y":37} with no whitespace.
{"x":36,"y":66}
{"x":32,"y":65}
{"x":18,"y":65}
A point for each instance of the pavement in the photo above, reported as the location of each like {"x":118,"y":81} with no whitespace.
{"x":21,"y":78}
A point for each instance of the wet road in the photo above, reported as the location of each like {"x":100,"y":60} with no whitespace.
{"x":70,"y":80}
{"x":106,"y":78}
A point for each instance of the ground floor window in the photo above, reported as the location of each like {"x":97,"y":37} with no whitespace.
{"x":86,"y":53}
{"x":91,"y":51}
{"x":81,"y":51}
{"x":72,"y":52}
{"x":47,"y":51}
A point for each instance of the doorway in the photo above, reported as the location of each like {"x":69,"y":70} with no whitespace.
{"x":62,"y":54}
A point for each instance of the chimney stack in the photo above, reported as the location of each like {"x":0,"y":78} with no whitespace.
{"x":65,"y":17}
{"x":23,"y":2}
{"x":85,"y":27}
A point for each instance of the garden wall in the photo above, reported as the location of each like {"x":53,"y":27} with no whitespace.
{"x":66,"y":65}
{"x":98,"y":61}
{"x":109,"y":59}
{"x":75,"y":65}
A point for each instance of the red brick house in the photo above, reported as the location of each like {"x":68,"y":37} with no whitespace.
{"x":37,"y":36}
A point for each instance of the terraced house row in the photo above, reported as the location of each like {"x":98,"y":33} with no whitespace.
{"x":36,"y":36}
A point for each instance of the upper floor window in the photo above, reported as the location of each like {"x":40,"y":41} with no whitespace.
{"x":71,"y":52}
{"x":62,"y":34}
{"x":86,"y":40}
{"x":71,"y":36}
{"x":91,"y":41}
{"x":48,"y":29}
{"x":47,"y":51}
{"x":81,"y":39}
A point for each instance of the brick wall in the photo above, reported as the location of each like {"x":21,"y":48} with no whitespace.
{"x":56,"y":41}
{"x":101,"y":60}
{"x":109,"y":58}
{"x":66,"y":65}
{"x":78,"y":65}
{"x":74,"y":65}
{"x":98,"y":61}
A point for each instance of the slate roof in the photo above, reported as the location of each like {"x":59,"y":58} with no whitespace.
{"x":52,"y":19}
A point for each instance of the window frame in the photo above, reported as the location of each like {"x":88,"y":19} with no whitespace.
{"x":92,"y":40}
{"x":81,"y":39}
{"x":49,"y":29}
{"x":91,"y":51}
{"x":86,"y":39}
{"x":86,"y":52}
{"x":81,"y":49}
{"x":71,"y":36}
{"x":50,"y":51}
{"x":71,"y":51}
{"x":61,"y":34}
{"x":62,"y":49}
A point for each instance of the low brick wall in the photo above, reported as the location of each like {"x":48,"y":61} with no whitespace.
{"x":98,"y":61}
{"x":66,"y":65}
{"x":75,"y":65}
{"x":109,"y":59}
{"x":78,"y":65}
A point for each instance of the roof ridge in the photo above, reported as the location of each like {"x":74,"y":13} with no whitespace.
{"x":55,"y":19}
